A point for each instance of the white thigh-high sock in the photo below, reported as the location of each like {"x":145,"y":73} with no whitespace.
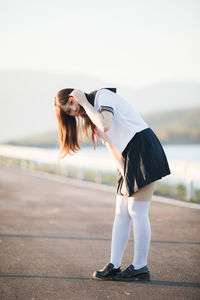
{"x":139,"y":211}
{"x":121,"y":230}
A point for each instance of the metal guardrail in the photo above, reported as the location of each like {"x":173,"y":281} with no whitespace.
{"x":82,"y":173}
{"x":189,"y":172}
{"x":44,"y":159}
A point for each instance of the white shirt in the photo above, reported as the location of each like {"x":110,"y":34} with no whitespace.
{"x":126,"y":121}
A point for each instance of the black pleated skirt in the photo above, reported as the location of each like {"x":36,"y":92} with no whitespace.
{"x":144,"y":162}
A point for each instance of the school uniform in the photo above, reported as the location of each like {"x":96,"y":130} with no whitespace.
{"x":144,"y":158}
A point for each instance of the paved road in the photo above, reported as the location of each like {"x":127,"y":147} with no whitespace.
{"x":54,"y":235}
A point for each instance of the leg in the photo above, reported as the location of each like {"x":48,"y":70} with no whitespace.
{"x":121,"y":230}
{"x":120,"y":237}
{"x":138,"y":207}
{"x":145,"y":193}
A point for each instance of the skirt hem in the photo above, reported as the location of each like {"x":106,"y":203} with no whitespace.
{"x":144,"y":162}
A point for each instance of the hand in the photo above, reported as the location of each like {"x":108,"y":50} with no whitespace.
{"x":124,"y":190}
{"x":79,"y":96}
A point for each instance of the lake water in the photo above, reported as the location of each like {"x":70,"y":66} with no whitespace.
{"x":189,"y":153}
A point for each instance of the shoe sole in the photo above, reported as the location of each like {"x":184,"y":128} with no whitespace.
{"x":138,"y":277}
{"x":102,"y":278}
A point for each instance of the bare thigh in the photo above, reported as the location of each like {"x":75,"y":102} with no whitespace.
{"x":145,"y":193}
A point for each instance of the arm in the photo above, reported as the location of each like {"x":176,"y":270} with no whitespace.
{"x":120,"y":163}
{"x":102,"y":120}
{"x":117,"y":157}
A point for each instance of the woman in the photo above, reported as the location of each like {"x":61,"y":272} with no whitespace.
{"x":140,"y":161}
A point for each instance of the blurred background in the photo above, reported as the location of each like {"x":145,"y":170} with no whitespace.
{"x":148,"y":50}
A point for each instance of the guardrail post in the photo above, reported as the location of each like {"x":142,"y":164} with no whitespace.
{"x":81,"y":174}
{"x":98,"y":177}
{"x":189,"y":190}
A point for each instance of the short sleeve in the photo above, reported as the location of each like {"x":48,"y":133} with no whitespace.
{"x":108,"y":108}
{"x":106,"y":100}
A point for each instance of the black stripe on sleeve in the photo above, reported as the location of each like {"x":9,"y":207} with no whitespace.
{"x":108,"y":108}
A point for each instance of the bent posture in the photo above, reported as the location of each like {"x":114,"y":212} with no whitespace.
{"x":140,"y":162}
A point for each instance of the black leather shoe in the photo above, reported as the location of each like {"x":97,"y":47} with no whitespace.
{"x":130,"y":274}
{"x":106,"y":273}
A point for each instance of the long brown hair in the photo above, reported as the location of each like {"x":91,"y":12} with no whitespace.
{"x":70,"y":128}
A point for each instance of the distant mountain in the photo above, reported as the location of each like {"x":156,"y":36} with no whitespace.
{"x":27,"y":99}
{"x":180,"y":126}
{"x":171,"y":127}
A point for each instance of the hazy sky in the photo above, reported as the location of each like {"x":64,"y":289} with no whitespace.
{"x":134,"y":42}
